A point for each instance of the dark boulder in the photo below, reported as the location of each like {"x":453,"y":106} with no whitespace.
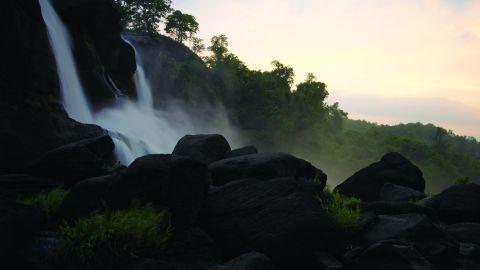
{"x":247,"y":150}
{"x":398,"y":208}
{"x":85,"y":197}
{"x":469,"y":257}
{"x":18,"y":224}
{"x":396,"y":193}
{"x":76,"y":161}
{"x":392,"y":168}
{"x":431,"y":240}
{"x":204,"y":148}
{"x":457,"y":204}
{"x":177,"y":182}
{"x":391,"y":255}
{"x":248,"y":261}
{"x":465,"y":232}
{"x":17,"y":185}
{"x":264,"y":166}
{"x":280,"y":218}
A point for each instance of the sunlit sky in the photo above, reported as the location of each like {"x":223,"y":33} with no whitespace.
{"x":386,"y":61}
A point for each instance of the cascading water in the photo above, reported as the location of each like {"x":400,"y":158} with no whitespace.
{"x":136,"y":127}
{"x":74,"y":99}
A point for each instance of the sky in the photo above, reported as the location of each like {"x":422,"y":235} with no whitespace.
{"x":386,"y":61}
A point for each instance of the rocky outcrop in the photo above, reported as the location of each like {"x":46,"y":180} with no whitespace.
{"x":203,"y":148}
{"x":248,"y":261}
{"x":459,"y":203}
{"x":392,"y":168}
{"x":265,"y":166}
{"x":396,"y":193}
{"x":16,"y":185}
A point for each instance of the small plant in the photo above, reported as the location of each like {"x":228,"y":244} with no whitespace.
{"x":345,"y":211}
{"x":48,"y":202}
{"x":462,"y":180}
{"x":110,"y":240}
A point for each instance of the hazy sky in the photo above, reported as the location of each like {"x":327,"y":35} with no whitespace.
{"x":388,"y":61}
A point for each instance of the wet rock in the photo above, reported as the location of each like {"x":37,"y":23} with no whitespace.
{"x":248,"y":261}
{"x":465,"y":232}
{"x":398,"y":208}
{"x":396,"y":193}
{"x":17,"y":185}
{"x":247,"y":150}
{"x":203,"y":148}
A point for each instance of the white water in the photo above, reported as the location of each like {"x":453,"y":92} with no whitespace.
{"x":136,"y":127}
{"x":74,"y":99}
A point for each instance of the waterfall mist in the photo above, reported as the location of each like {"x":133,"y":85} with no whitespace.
{"x":136,"y":127}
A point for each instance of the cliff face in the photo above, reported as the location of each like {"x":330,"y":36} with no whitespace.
{"x":177,"y":75}
{"x":32,"y":120}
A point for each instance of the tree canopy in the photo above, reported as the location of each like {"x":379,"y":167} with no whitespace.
{"x":181,"y":26}
{"x":143,"y":15}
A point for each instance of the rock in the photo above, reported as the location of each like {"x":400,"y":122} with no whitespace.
{"x":327,"y":261}
{"x":247,"y":150}
{"x":280,"y":218}
{"x":433,"y":242}
{"x":469,"y":258}
{"x":18,"y":223}
{"x":391,"y":255}
{"x":203,"y":148}
{"x":177,"y":182}
{"x":465,"y":232}
{"x":85,"y":197}
{"x":248,"y":261}
{"x":458,"y":204}
{"x":396,"y":193}
{"x":392,"y":168}
{"x":73,"y":162}
{"x":398,"y":208}
{"x":264,"y":166}
{"x":16,"y":185}
{"x":151,"y":264}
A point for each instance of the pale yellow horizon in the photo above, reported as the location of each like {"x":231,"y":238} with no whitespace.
{"x":426,"y":51}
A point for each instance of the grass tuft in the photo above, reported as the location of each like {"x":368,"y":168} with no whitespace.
{"x":110,"y":240}
{"x":48,"y":202}
{"x":345,"y":211}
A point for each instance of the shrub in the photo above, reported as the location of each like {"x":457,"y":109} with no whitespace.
{"x":462,"y":180}
{"x":48,"y":202}
{"x":111,"y":240}
{"x":345,"y":211}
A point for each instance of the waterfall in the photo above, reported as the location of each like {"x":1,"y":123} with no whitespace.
{"x":74,"y":100}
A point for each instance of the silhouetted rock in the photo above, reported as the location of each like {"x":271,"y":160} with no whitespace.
{"x":265,"y":166}
{"x":398,"y":208}
{"x":465,"y":232}
{"x":15,"y":185}
{"x":392,"y":192}
{"x":459,"y":203}
{"x":392,"y":168}
{"x":178,"y":182}
{"x":433,"y":242}
{"x":469,"y":257}
{"x":248,"y":261}
{"x":247,"y":150}
{"x":204,"y":148}
{"x":391,"y":255}
{"x":76,"y":161}
{"x":85,"y":197}
{"x":280,"y":218}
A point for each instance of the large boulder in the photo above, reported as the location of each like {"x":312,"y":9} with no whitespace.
{"x":248,"y":261}
{"x":392,"y":168}
{"x":243,"y":151}
{"x":177,"y":182}
{"x":465,"y":232}
{"x":396,"y":193}
{"x":459,"y":203}
{"x":431,"y":240}
{"x":398,"y":208}
{"x":16,"y":185}
{"x":85,"y":197}
{"x":264,"y":166}
{"x":76,"y":161}
{"x":280,"y":218}
{"x":391,"y":255}
{"x":204,"y":148}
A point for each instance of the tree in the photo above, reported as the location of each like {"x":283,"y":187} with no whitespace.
{"x":197,"y":45}
{"x":181,"y":26}
{"x":143,"y":15}
{"x":219,"y":50}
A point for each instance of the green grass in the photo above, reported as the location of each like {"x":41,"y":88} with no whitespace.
{"x":345,"y":211}
{"x":48,"y":202}
{"x":462,"y":180}
{"x":110,"y":240}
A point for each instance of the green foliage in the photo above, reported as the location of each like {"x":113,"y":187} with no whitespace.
{"x":48,"y":202}
{"x":141,"y":15}
{"x":181,"y":26}
{"x":106,"y":241}
{"x":462,"y":180}
{"x":197,"y":45}
{"x":345,"y":211}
